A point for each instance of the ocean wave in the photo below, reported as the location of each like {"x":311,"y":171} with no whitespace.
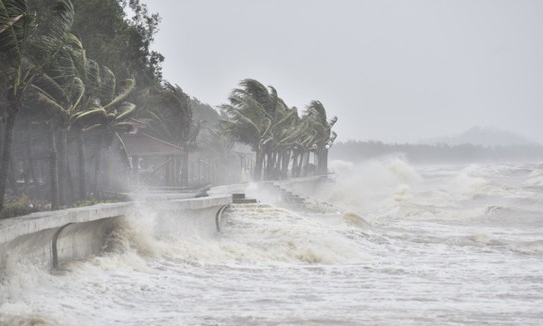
{"x":528,"y":247}
{"x":279,"y":235}
{"x":21,"y":315}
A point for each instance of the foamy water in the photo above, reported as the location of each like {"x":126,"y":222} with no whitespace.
{"x":401,"y":245}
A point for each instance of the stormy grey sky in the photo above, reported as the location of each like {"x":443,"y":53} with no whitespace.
{"x":391,"y":70}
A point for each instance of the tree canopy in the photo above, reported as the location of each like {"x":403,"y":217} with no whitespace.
{"x":77,"y":76}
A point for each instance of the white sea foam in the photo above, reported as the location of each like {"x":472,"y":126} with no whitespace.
{"x":438,"y":245}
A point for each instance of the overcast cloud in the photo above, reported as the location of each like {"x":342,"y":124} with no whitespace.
{"x":397,"y":71}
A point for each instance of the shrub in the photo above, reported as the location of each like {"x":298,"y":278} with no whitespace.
{"x":19,"y":206}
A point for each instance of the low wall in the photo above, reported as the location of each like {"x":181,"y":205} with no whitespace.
{"x":50,"y":238}
{"x":270,"y":191}
{"x":309,"y":186}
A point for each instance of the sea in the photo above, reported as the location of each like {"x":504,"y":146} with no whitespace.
{"x":384,"y":242}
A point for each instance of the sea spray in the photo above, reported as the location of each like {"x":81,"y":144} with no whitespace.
{"x":374,"y":189}
{"x":442,"y":245}
{"x":353,"y":219}
{"x":265,"y":233}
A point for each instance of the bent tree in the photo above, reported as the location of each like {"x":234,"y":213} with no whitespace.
{"x":25,"y":50}
{"x":258,"y":117}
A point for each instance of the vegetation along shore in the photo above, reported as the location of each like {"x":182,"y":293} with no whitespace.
{"x":87,"y":115}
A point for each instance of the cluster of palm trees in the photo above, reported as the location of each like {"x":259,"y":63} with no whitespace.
{"x":46,"y":76}
{"x":282,"y":139}
{"x":48,"y":84}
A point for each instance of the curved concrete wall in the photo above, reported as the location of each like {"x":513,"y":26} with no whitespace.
{"x":50,"y":238}
{"x":80,"y":240}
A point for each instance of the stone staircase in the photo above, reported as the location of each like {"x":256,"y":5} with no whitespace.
{"x":287,"y":198}
{"x":291,"y":200}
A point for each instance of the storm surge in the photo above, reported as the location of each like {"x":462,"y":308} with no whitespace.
{"x":424,"y":245}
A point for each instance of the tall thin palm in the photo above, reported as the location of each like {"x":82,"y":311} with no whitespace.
{"x":108,"y":121}
{"x":60,"y":90}
{"x":324,"y":136}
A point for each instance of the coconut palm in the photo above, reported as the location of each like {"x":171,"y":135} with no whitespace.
{"x":107,"y":121}
{"x":253,"y":112}
{"x":170,"y":117}
{"x":170,"y":114}
{"x":292,"y":139}
{"x":303,"y":145}
{"x":59,"y":91}
{"x":24,"y":52}
{"x":258,"y":117}
{"x":285,"y":131}
{"x":100,"y":87}
{"x":324,"y":136}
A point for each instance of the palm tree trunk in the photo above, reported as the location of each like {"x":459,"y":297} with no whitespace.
{"x":323,"y":162}
{"x":12,"y":177}
{"x":97,"y":166}
{"x":294,"y":167}
{"x":54,"y":171}
{"x":269,"y":165}
{"x":82,"y":166}
{"x":6,"y":152}
{"x":258,"y":166}
{"x":305,"y":164}
{"x":30,"y":171}
{"x":185,"y":169}
{"x":300,"y":164}
{"x":284,"y":165}
{"x":63,"y":166}
{"x":70,"y":195}
{"x":278,"y":164}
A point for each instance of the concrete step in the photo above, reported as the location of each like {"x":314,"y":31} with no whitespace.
{"x":236,"y":196}
{"x":245,"y":201}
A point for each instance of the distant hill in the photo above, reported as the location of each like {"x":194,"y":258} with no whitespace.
{"x":483,"y":137}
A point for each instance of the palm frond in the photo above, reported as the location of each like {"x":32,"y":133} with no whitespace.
{"x":14,"y":23}
{"x":124,"y":151}
{"x":106,"y":86}
{"x":89,"y":116}
{"x":128,"y":87}
{"x":50,"y":87}
{"x":126,"y":110}
{"x":77,"y":90}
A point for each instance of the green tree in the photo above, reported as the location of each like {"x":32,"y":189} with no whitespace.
{"x":25,"y":50}
{"x":169,"y":112}
{"x":324,"y":136}
{"x":251,"y":114}
{"x":59,"y":91}
{"x":107,"y":121}
{"x":120,"y":42}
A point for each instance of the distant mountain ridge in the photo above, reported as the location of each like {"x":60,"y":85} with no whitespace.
{"x":484,"y":137}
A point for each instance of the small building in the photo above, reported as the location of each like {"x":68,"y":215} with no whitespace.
{"x":154,"y":162}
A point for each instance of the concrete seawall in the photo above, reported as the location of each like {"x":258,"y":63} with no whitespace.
{"x":50,"y":238}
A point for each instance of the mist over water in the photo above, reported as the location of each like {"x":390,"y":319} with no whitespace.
{"x":393,"y":242}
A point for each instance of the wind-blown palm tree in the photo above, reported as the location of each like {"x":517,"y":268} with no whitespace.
{"x":59,"y":91}
{"x":170,"y":114}
{"x":108,"y":121}
{"x":24,"y":52}
{"x":324,"y":136}
{"x":100,"y":87}
{"x":302,"y":146}
{"x":258,"y":117}
{"x":253,"y":112}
